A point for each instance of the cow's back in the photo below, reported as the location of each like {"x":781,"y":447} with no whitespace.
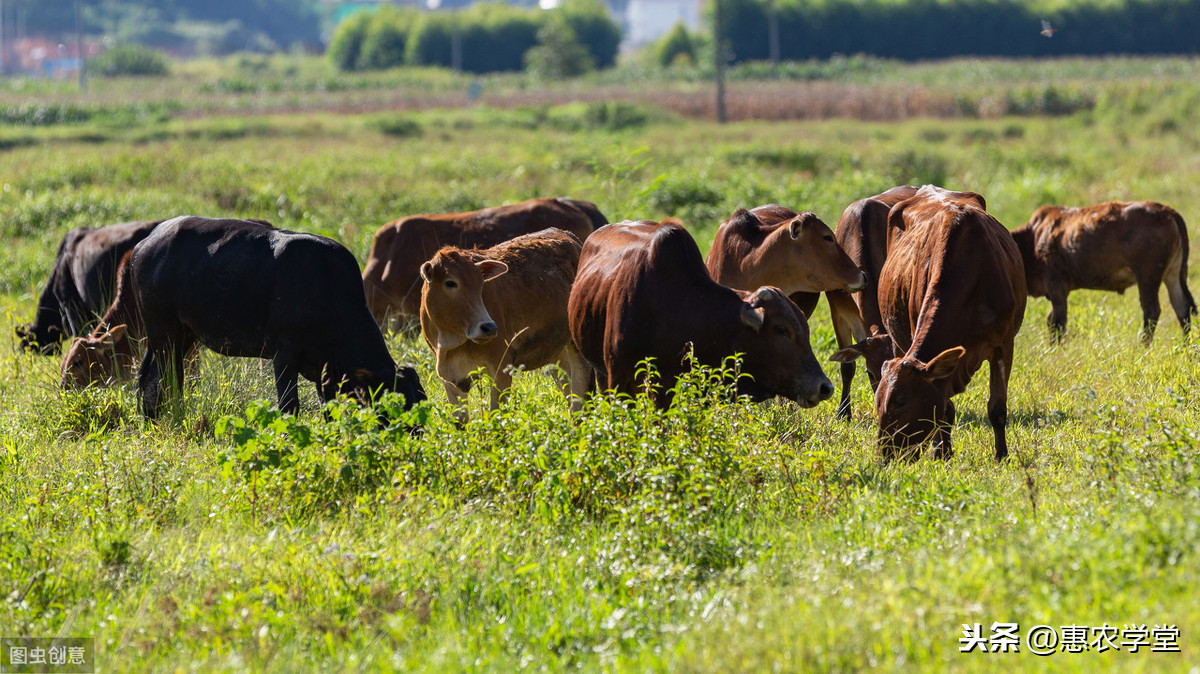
{"x":641,"y":290}
{"x":954,"y":271}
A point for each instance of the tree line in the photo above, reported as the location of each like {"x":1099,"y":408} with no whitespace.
{"x":932,"y":29}
{"x":491,"y":37}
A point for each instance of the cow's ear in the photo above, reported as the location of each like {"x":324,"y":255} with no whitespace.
{"x":115,"y":333}
{"x":427,"y":272}
{"x":944,"y":363}
{"x":798,"y":223}
{"x":753,"y":317}
{"x":848,"y":354}
{"x":491,"y":268}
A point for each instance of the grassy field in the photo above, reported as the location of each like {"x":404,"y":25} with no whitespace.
{"x":718,"y":536}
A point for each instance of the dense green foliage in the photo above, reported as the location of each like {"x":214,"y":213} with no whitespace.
{"x":558,"y":53}
{"x":916,"y":29}
{"x":128,"y":60}
{"x":716,"y":536}
{"x":675,"y":48}
{"x":215,"y":26}
{"x":493,"y":37}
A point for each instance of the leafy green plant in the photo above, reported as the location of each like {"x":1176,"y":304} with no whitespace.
{"x":128,"y":60}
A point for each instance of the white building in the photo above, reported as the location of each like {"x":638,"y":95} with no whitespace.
{"x":648,"y":20}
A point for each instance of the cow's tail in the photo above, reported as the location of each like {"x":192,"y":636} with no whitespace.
{"x":593,"y":213}
{"x":1183,"y":238}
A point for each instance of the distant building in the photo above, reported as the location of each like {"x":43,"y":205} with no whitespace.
{"x":648,"y":20}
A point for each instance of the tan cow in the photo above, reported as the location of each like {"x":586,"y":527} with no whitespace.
{"x":500,"y":308}
{"x":1109,"y":246}
{"x":391,"y":279}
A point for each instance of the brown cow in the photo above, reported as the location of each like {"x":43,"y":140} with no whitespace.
{"x":643,"y":292}
{"x":861,"y":241}
{"x":773,"y":245}
{"x":502,"y":307}
{"x":391,"y":279}
{"x":951,"y":295}
{"x":1108,"y":246}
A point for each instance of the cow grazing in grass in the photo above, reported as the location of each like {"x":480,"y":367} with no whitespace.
{"x":862,"y":233}
{"x":643,"y":292}
{"x":951,"y":295}
{"x":844,"y":256}
{"x":1109,"y":246}
{"x":502,"y":307}
{"x":82,"y":283}
{"x":109,"y":353}
{"x":391,"y":277}
{"x":244,"y":288}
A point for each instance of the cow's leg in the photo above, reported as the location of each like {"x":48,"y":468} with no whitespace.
{"x":150,"y":384}
{"x":286,"y":385}
{"x":457,"y":397}
{"x":849,"y":329}
{"x":1179,"y":296}
{"x":1056,"y":292}
{"x":999,"y":368}
{"x":582,"y":377}
{"x":941,"y":444}
{"x":501,"y":382}
{"x":1148,"y":295}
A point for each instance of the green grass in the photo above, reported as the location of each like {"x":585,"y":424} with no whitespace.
{"x":717,"y":537}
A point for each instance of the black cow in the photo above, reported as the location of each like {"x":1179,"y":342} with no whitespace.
{"x":82,"y":283}
{"x":244,"y":288}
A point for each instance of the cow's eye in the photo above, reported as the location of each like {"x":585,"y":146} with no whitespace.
{"x":899,"y":400}
{"x":779,"y":330}
{"x":828,"y":238}
{"x":451,"y":284}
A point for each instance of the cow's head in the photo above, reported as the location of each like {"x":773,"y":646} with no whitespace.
{"x":801,"y":254}
{"x":96,"y":359}
{"x":777,"y":352}
{"x":911,"y":399}
{"x":874,"y":350}
{"x":453,"y":295}
{"x":364,"y":385}
{"x":815,"y":261}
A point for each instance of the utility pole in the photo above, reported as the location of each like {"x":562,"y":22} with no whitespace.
{"x":773,"y":32}
{"x":719,"y":59}
{"x":455,"y":42}
{"x":79,"y":46}
{"x":2,"y":62}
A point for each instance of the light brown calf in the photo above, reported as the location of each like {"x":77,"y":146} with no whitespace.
{"x":500,"y":308}
{"x":1109,"y":246}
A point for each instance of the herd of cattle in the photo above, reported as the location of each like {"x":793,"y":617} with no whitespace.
{"x":923,"y":284}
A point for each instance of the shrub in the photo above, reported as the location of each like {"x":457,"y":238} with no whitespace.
{"x":675,"y":48}
{"x":594,"y":29}
{"x":128,"y":60}
{"x":345,"y":47}
{"x":558,"y":53}
{"x":386,"y":39}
